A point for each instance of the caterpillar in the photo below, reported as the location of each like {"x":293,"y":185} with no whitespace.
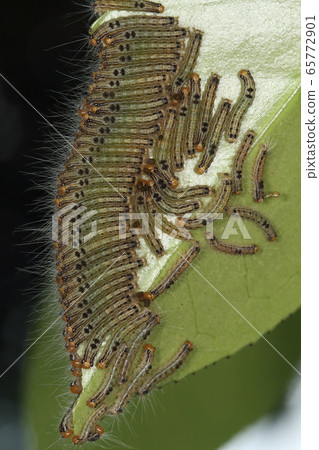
{"x":232,"y":249}
{"x":193,"y":111}
{"x":142,"y":115}
{"x":258,"y":174}
{"x":240,"y":109}
{"x":255,"y":217}
{"x":240,"y":157}
{"x":101,"y":6}
{"x":206,"y":111}
{"x":214,"y":136}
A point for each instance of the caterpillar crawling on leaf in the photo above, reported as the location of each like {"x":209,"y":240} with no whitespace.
{"x":141,"y":119}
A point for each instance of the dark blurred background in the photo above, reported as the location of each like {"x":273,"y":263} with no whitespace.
{"x":34,"y":46}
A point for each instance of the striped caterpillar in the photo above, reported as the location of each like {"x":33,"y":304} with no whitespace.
{"x":258,"y":174}
{"x":142,"y":117}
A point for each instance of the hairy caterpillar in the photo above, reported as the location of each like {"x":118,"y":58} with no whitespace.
{"x":138,"y":121}
{"x":214,"y":136}
{"x":258,"y":175}
{"x":240,"y":157}
{"x":231,"y":248}
{"x":255,"y":217}
{"x":244,"y":101}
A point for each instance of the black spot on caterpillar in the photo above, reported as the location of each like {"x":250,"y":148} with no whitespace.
{"x":140,"y":119}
